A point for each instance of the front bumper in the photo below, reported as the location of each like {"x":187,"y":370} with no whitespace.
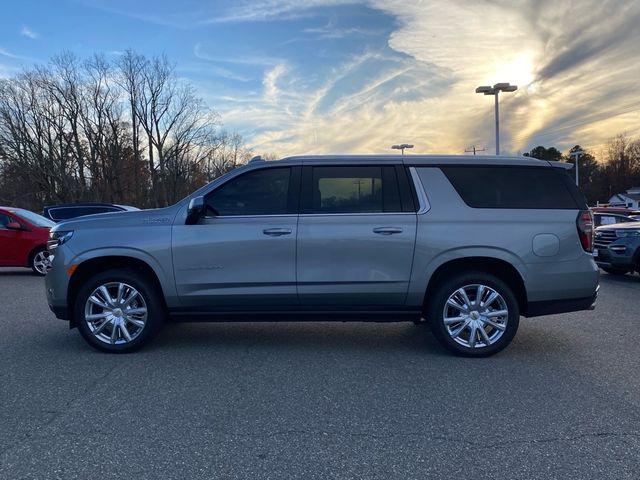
{"x":616,"y":255}
{"x":56,"y":283}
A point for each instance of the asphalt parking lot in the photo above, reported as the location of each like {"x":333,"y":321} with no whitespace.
{"x":323,"y":400}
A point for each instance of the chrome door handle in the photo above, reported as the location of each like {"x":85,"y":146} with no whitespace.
{"x":387,"y":230}
{"x":277,"y":232}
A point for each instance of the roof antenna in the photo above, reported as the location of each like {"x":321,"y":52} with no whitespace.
{"x":257,"y":158}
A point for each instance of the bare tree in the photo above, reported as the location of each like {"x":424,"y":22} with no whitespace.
{"x":622,"y":160}
{"x":125,"y":131}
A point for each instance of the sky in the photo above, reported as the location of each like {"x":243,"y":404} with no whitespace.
{"x":336,"y":76}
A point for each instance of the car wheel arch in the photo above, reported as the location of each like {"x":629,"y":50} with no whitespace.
{"x":502,"y":269}
{"x":95,"y":265}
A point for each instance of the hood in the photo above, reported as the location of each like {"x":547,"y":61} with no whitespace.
{"x":156,"y":216}
{"x":620,"y":226}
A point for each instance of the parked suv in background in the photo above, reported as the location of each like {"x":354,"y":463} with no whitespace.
{"x":23,"y":239}
{"x":600,"y":219}
{"x":469,"y":243}
{"x":66,"y":211}
{"x":617,"y":248}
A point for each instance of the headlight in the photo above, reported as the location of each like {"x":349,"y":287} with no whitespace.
{"x":627,"y":233}
{"x":57,"y":238}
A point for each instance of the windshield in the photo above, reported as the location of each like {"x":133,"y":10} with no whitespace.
{"x":33,"y":218}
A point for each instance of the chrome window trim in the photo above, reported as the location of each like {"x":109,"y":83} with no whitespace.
{"x":354,"y":214}
{"x":291,"y":215}
{"x":422,"y":195}
{"x":284,"y":215}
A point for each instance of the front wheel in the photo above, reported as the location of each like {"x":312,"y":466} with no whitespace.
{"x":473,"y":314}
{"x":118,"y":310}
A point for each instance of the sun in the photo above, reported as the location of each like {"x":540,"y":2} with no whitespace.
{"x":518,"y":71}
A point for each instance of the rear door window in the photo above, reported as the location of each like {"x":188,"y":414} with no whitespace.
{"x":352,"y":189}
{"x":513,"y":187}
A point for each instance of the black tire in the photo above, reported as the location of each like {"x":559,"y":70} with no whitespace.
{"x":436,"y":305}
{"x":156,"y":313}
{"x":615,"y":271}
{"x":32,"y":261}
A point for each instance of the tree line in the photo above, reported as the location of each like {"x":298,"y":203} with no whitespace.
{"x":127,"y":131}
{"x":615,"y":170}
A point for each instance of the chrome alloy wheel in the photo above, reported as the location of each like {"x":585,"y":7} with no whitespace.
{"x":116,"y":313}
{"x":41,"y":262}
{"x":475,"y":316}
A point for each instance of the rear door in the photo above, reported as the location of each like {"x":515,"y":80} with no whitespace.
{"x":356,"y":235}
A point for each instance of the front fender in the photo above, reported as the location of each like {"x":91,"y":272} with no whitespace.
{"x":165,"y":277}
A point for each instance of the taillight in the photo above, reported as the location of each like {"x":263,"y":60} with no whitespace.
{"x":585,"y":229}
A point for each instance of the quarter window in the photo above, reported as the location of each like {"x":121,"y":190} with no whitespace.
{"x":512,"y":187}
{"x":260,"y":192}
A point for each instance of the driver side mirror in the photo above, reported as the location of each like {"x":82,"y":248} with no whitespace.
{"x":14,"y":226}
{"x":195,"y":210}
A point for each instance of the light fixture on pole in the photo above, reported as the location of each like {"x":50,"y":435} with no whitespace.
{"x":576,"y":154}
{"x":401,"y":146}
{"x":495,"y":90}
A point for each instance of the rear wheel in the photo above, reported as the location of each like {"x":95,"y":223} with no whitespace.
{"x":118,"y":310}
{"x":473,"y":314}
{"x":40,"y":261}
{"x":615,"y":271}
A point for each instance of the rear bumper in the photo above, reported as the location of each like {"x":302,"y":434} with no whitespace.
{"x":552,"y":307}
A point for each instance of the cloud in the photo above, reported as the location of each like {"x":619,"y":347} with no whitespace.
{"x":330,"y":31}
{"x":413,"y":73}
{"x":270,"y":82}
{"x":255,"y":58}
{"x":6,"y":53}
{"x":576,"y":64}
{"x":27,"y":32}
{"x":265,"y":10}
{"x":177,"y":16}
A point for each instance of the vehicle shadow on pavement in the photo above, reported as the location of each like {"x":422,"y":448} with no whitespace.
{"x":628,"y":279}
{"x":329,"y":337}
{"x":322,"y":336}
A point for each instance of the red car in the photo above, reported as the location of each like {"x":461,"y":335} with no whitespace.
{"x":23,"y":239}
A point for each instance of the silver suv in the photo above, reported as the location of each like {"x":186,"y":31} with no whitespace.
{"x":464,"y":244}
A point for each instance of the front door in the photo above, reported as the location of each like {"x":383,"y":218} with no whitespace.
{"x":242,"y":254}
{"x":355,"y":237}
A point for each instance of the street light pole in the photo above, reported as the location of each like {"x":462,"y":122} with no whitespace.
{"x":495,"y":91}
{"x":497,"y":116}
{"x":576,"y":155}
